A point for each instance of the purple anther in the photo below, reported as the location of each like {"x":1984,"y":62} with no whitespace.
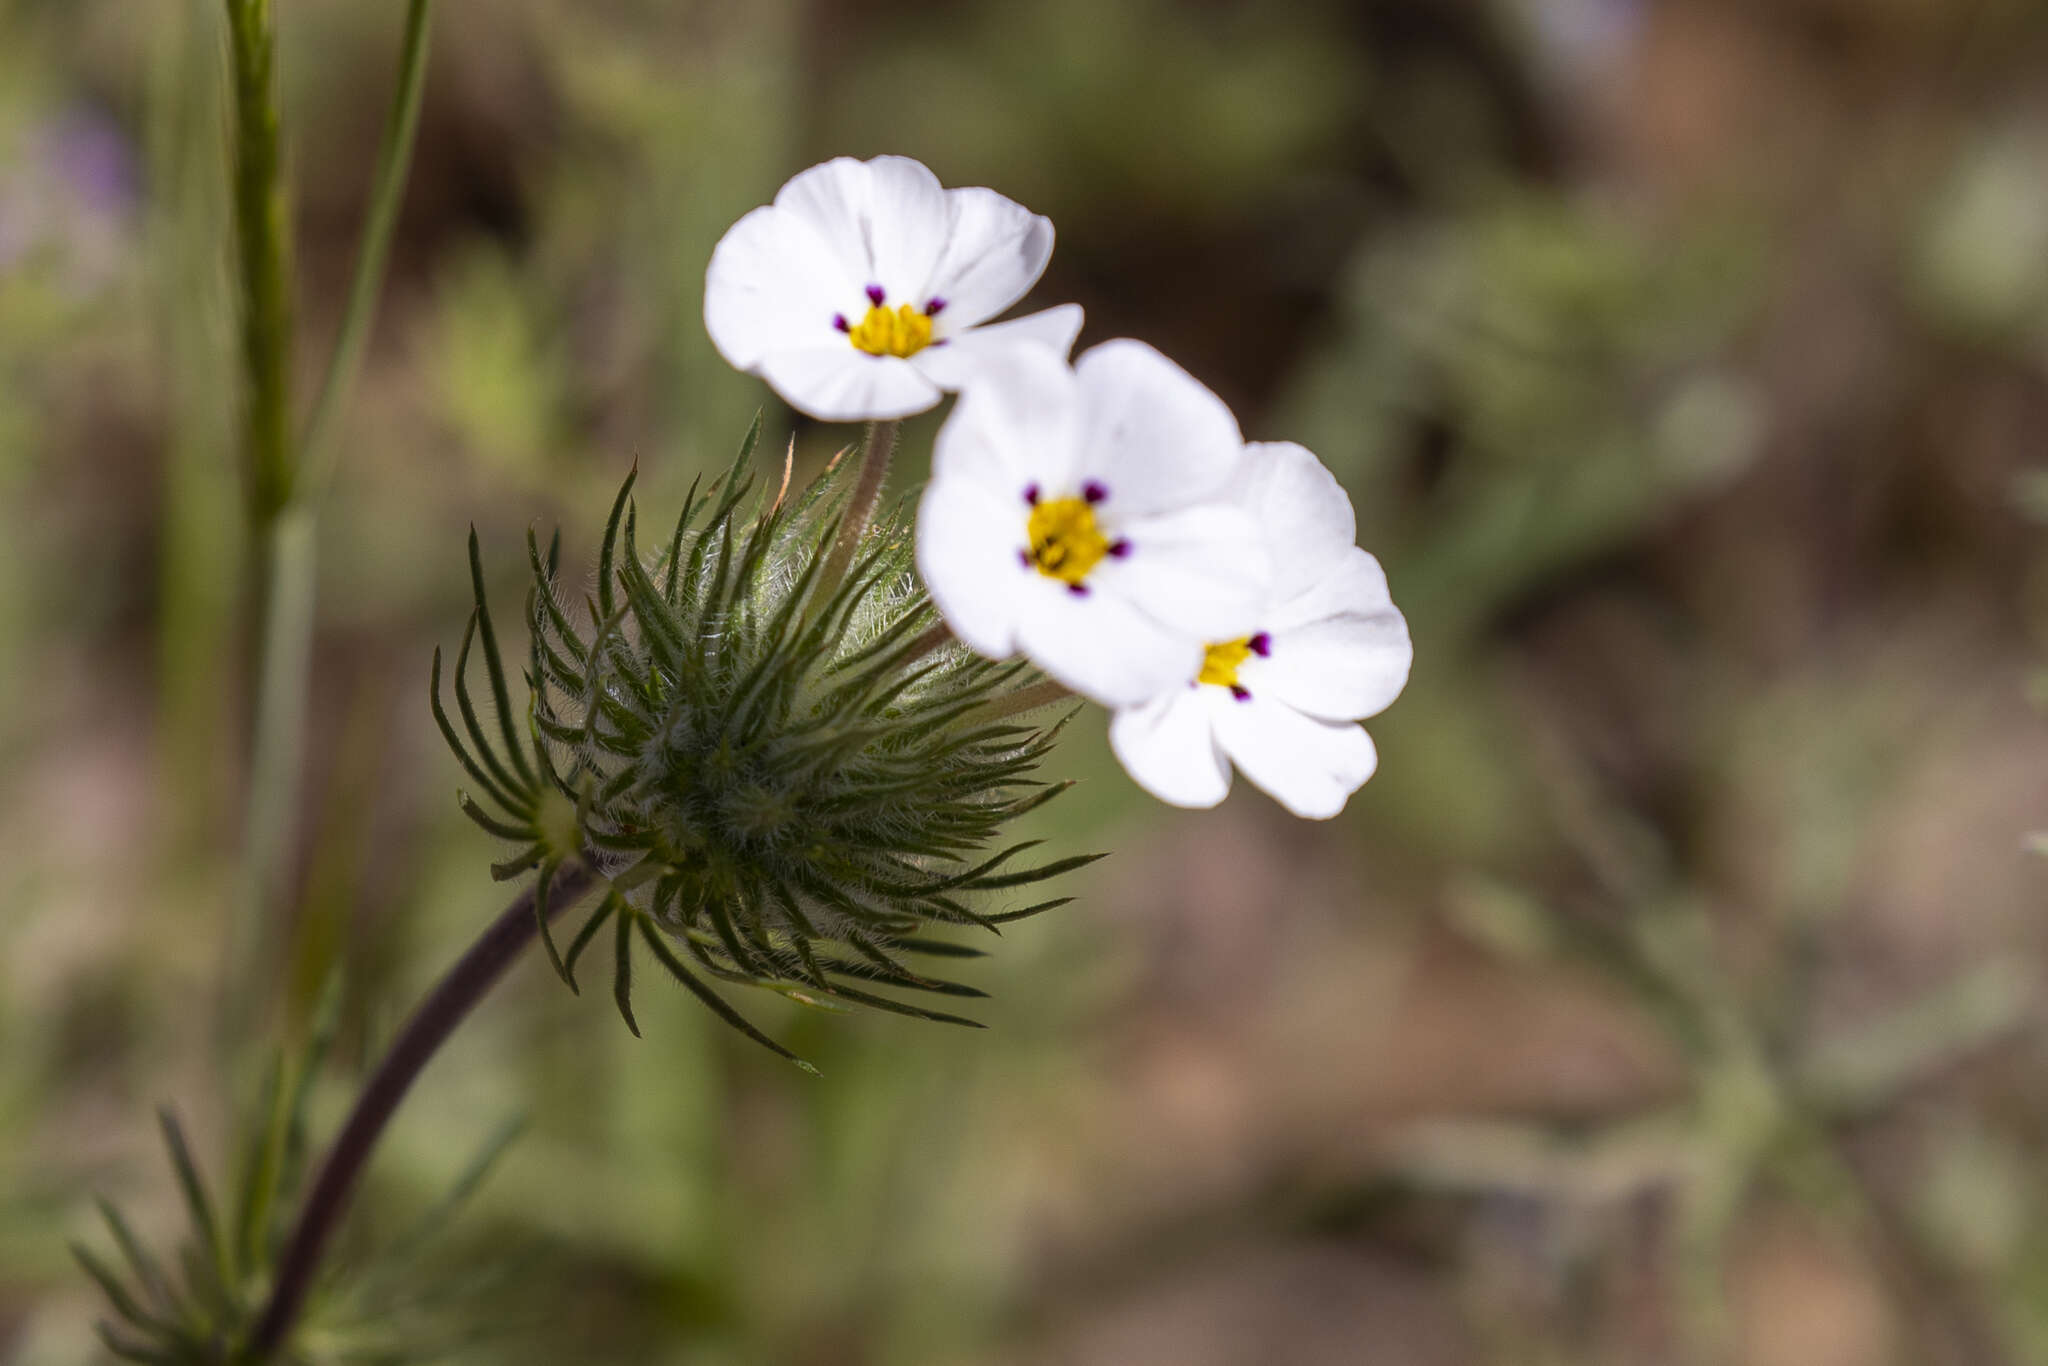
{"x":839,"y":321}
{"x":1024,"y":558}
{"x":1094,"y":492}
{"x":1262,"y":644}
{"x":1079,"y":590}
{"x":1242,"y":694}
{"x":935,"y":307}
{"x":1119,"y":548}
{"x":876,"y":294}
{"x":1031,"y":494}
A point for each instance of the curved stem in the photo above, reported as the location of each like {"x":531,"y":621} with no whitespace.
{"x":473,"y":975}
{"x":860,"y":509}
{"x":1031,"y":697}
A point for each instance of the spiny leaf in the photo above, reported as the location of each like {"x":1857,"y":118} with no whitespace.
{"x":622,"y":968}
{"x":149,"y":1273}
{"x":117,"y":1294}
{"x":542,"y":884}
{"x":494,"y":665}
{"x":462,"y":755}
{"x":511,"y":785}
{"x":606,"y":605}
{"x":585,"y":935}
{"x":717,"y":1003}
{"x":198,"y":1205}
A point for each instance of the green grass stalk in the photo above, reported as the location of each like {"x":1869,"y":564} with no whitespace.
{"x":287,"y":479}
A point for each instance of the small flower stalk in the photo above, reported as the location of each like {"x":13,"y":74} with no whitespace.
{"x":785,"y":782}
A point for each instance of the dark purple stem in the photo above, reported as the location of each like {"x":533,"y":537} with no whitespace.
{"x":447,"y":1006}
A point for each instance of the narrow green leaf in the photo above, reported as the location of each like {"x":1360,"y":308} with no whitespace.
{"x":718,"y":1004}
{"x":584,"y":936}
{"x":520,"y":833}
{"x":408,"y":1245}
{"x":494,"y":665}
{"x":462,"y":755}
{"x":606,"y":605}
{"x":518,"y":863}
{"x":117,"y":1294}
{"x":1041,"y":908}
{"x":622,"y":967}
{"x":541,"y":886}
{"x":149,"y":1273}
{"x":260,"y":1172}
{"x":1039,"y":874}
{"x":127,"y":1350}
{"x":198,"y":1206}
{"x":467,"y":708}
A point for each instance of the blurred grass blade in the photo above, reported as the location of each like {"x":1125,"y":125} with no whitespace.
{"x":262,"y":1170}
{"x":198,"y":1205}
{"x":387,"y":193}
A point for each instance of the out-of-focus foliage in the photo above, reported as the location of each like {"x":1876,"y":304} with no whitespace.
{"x":1675,"y":984}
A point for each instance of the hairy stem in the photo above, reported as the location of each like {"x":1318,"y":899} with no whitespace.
{"x":261,"y":230}
{"x":1031,"y":697}
{"x":281,"y":548}
{"x":860,"y":509}
{"x":285,"y":482}
{"x":446,"y":1007}
{"x":939,"y":635}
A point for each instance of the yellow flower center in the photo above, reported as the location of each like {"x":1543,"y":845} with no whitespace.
{"x":1066,"y":541}
{"x":901,"y":331}
{"x":1220,"y":663}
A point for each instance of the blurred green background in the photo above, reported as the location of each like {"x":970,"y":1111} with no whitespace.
{"x":1673,"y":992}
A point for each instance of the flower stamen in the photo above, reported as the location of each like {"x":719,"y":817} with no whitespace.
{"x":1221,"y":661}
{"x":901,"y":331}
{"x":1066,"y":542}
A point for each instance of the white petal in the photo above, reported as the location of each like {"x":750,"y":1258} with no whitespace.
{"x":1015,"y":426}
{"x":995,"y":250}
{"x":1167,"y":746}
{"x":885,"y":220}
{"x":1354,"y":585}
{"x":967,"y":357}
{"x":1202,"y":570}
{"x":773,"y":286}
{"x":1339,"y":669}
{"x":1100,"y":645}
{"x":1153,"y":434}
{"x":967,"y":542}
{"x":1310,"y":767}
{"x":837,"y":383}
{"x":1305,"y":512}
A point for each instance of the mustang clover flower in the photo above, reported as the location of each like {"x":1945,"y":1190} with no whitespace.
{"x":865,"y":289}
{"x":1281,"y":700}
{"x":1080,"y":516}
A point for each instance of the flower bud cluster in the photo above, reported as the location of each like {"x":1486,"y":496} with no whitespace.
{"x":785,"y":780}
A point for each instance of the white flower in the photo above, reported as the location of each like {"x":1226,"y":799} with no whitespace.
{"x":862,"y":291}
{"x":1281,"y":700}
{"x":1079,"y":516}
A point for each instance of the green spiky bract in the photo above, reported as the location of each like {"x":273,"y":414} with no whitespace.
{"x":786,"y":781}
